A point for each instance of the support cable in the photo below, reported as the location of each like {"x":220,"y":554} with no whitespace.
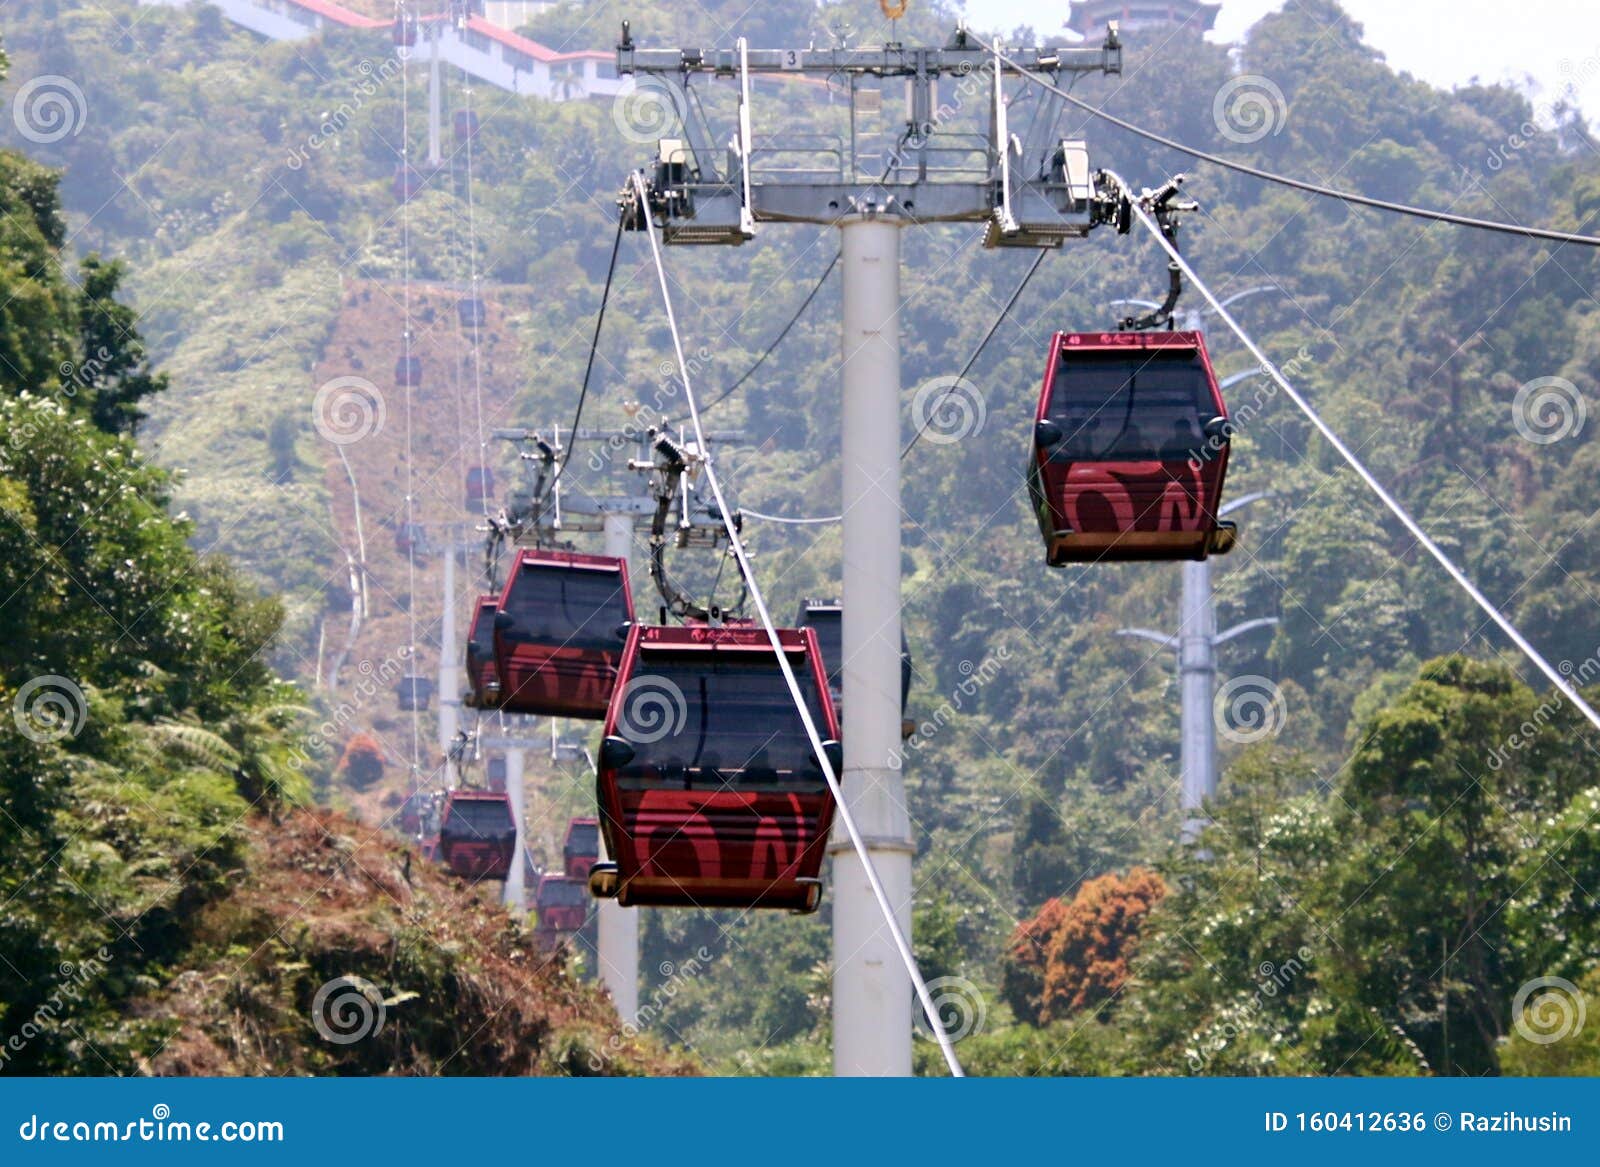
{"x":1329,"y":192}
{"x":411,"y":540}
{"x":594,"y":347}
{"x":472,"y":280}
{"x":845,"y":817}
{"x":784,"y":519}
{"x":771,"y":348}
{"x":1554,"y":675}
{"x":1010,"y":303}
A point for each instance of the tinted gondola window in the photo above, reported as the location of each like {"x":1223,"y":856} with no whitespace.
{"x":567,"y":607}
{"x":563,"y":893}
{"x":1130,"y":407}
{"x":829,"y":626}
{"x":584,"y":839}
{"x":480,"y":641}
{"x":739,"y":727}
{"x":479,"y":818}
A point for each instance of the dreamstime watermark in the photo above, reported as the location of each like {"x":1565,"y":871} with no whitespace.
{"x":1545,"y":114}
{"x":372,"y":677}
{"x":675,"y":974}
{"x":1271,"y":978}
{"x":1548,"y":409}
{"x":337,"y":120}
{"x":348,"y":409}
{"x":1242,"y":416}
{"x":646,"y":110}
{"x":50,"y":709}
{"x":48,"y":109}
{"x":47,"y":1017}
{"x":1522,"y":737}
{"x":948,"y":409}
{"x":1547,"y":1009}
{"x":653,"y":708}
{"x":1249,"y":709}
{"x":1248,"y":108}
{"x":645,"y":416}
{"x":155,"y":1129}
{"x":348,"y":1009}
{"x":973,"y":679}
{"x":958,"y":1004}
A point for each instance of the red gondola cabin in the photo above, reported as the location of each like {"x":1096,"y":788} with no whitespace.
{"x":407,"y":183}
{"x":466,"y":124}
{"x":562,"y":904}
{"x":710,"y":794}
{"x":581,"y":850}
{"x":408,"y":539}
{"x":408,"y":372}
{"x":471,"y":313}
{"x":1130,"y":449}
{"x":481,"y":674}
{"x":480,"y":486}
{"x":558,"y":633}
{"x":413,"y":692}
{"x":477,"y":834}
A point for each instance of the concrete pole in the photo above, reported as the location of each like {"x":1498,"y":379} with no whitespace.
{"x":618,"y":927}
{"x":516,"y":894}
{"x":1197,"y":676}
{"x":872,"y":995}
{"x":449,"y":652}
{"x":435,"y":98}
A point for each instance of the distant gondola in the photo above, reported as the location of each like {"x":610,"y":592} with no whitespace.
{"x":408,"y":372}
{"x":407,"y":183}
{"x":484,"y":681}
{"x":563,"y":906}
{"x":827,"y":618}
{"x":558,"y":633}
{"x":480,"y":487}
{"x":478,"y":834}
{"x":581,"y":849}
{"x":414,"y":692}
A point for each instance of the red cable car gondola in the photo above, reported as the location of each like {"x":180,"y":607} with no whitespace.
{"x":404,"y":30}
{"x":478,"y":834}
{"x":407,"y":182}
{"x":558,"y":633}
{"x":408,"y":539}
{"x":494,"y":773}
{"x":408,"y":372}
{"x":480,"y":486}
{"x":581,"y":849}
{"x":562,"y":904}
{"x":1130,"y":449}
{"x":413,"y":692}
{"x":710,"y":794}
{"x":472,"y":313}
{"x":481,"y":674}
{"x":466,"y":124}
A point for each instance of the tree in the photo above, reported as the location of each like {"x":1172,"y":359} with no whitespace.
{"x":362,"y":763}
{"x":1075,"y":956}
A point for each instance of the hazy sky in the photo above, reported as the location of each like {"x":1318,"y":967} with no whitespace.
{"x":1447,"y":42}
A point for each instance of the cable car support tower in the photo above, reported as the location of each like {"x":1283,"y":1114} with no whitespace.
{"x":1032,"y":189}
